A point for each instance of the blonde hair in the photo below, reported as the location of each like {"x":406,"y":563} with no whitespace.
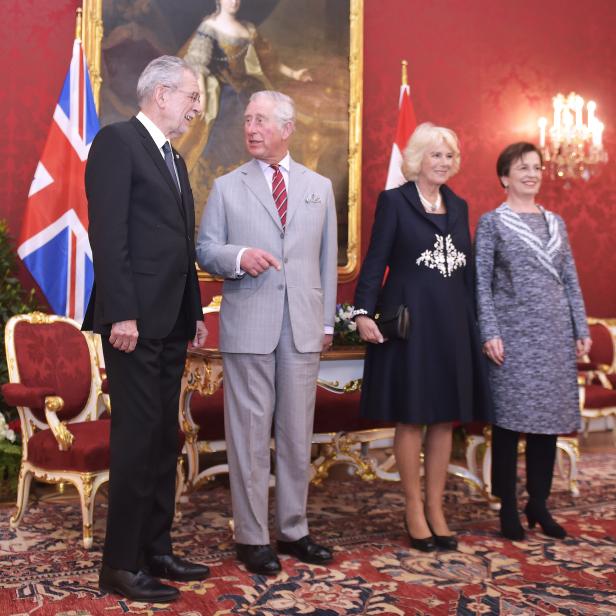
{"x":424,"y":136}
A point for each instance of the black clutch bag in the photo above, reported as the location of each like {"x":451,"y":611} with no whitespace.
{"x":394,"y":324}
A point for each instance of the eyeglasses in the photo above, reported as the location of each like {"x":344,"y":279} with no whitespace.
{"x":194,"y":97}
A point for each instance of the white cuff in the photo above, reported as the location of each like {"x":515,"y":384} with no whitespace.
{"x":328,"y":329}
{"x":358,"y":312}
{"x":239,"y":272}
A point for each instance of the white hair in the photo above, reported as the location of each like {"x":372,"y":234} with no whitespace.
{"x":424,"y":136}
{"x":284,"y":107}
{"x":165,"y":71}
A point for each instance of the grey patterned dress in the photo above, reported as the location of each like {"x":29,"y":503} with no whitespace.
{"x":528,"y":294}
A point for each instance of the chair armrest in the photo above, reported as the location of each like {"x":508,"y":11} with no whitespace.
{"x":18,"y":394}
{"x":62,"y":434}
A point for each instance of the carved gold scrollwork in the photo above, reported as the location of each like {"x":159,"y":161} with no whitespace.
{"x":342,"y":451}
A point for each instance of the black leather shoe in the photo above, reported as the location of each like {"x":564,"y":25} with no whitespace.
{"x":306,"y":550}
{"x":426,"y":544}
{"x":136,"y":586}
{"x":173,"y":568}
{"x":258,"y":559}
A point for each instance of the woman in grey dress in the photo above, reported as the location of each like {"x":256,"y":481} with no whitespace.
{"x":532,"y":323}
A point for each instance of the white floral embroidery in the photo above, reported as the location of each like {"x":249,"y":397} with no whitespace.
{"x":445,"y":257}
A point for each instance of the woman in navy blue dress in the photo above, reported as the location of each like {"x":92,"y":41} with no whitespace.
{"x":438,"y":376}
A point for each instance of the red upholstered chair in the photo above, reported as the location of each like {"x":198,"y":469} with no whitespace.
{"x":202,"y":409}
{"x":55,"y":384}
{"x":598,"y":377}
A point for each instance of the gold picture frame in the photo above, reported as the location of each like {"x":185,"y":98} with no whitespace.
{"x":92,"y":36}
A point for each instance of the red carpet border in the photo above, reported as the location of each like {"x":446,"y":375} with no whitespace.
{"x":45,"y":571}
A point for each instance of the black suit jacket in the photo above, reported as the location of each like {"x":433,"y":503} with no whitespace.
{"x":142,"y":235}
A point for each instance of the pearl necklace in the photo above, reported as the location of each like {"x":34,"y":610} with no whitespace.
{"x":431,"y":207}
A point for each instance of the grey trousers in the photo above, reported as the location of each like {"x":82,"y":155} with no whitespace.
{"x":258,"y":389}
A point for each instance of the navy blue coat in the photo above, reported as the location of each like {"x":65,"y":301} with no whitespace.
{"x":439,"y":373}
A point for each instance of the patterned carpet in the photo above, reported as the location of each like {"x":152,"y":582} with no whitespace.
{"x":45,"y":571}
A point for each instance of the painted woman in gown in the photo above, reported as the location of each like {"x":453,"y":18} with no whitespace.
{"x":233,"y":61}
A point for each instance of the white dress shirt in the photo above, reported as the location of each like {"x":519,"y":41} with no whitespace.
{"x":159,"y":138}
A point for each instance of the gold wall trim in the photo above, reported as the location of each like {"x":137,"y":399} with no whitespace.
{"x":356,"y":67}
{"x":92,"y":39}
{"x":92,"y":42}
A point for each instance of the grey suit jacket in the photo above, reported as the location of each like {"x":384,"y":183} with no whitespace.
{"x":240,"y":212}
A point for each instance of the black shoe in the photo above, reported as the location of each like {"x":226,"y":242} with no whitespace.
{"x":423,"y":545}
{"x":173,"y":568}
{"x":136,"y":586}
{"x":537,"y":511}
{"x":510,"y":523}
{"x":306,"y":550}
{"x":258,"y":558}
{"x":447,"y":542}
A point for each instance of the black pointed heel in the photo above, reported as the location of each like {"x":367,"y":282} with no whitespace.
{"x":423,"y":545}
{"x":538,"y":512}
{"x":447,"y":542}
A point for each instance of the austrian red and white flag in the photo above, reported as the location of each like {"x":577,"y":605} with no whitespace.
{"x":54,"y":237}
{"x":405,"y":128}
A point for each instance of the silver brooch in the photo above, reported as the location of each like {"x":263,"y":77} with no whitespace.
{"x":313,"y":198}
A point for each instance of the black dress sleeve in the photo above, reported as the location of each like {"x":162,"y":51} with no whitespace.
{"x":377,"y":257}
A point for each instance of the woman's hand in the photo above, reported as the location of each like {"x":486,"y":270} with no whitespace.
{"x":495,"y":350}
{"x":368,"y":331}
{"x":582,"y":346}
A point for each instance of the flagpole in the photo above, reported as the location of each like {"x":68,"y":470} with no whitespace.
{"x":405,"y":77}
{"x":79,"y":26}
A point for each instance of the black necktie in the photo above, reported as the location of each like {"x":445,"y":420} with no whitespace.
{"x":169,"y":163}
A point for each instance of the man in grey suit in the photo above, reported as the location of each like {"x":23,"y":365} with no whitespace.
{"x":269,"y":228}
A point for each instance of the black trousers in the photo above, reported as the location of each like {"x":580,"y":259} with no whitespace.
{"x":144,"y":388}
{"x":540,"y":457}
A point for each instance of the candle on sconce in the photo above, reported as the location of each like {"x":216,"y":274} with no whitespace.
{"x":558,"y":102}
{"x":542,"y":123}
{"x":597,"y":133}
{"x":591,"y":106}
{"x":579,"y":105}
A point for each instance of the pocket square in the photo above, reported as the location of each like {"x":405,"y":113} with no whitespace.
{"x":313,"y":198}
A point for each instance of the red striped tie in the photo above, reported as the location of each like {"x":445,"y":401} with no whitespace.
{"x":279,"y":192}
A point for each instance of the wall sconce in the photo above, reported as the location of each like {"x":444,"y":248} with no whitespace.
{"x":571,"y":148}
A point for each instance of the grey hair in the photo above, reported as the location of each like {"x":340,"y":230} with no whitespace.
{"x":164,"y":70}
{"x":424,"y":136}
{"x":284,"y":107}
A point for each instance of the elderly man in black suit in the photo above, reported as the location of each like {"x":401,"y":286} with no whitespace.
{"x":147,"y":306}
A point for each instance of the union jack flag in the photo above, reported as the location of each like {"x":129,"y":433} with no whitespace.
{"x":54,"y":242}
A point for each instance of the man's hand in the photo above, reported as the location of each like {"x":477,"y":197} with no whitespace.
{"x":198,"y":342}
{"x":124,"y":335}
{"x":368,"y":330}
{"x":255,"y":261}
{"x":328,"y":340}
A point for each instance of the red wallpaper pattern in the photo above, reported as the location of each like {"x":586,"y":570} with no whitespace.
{"x":486,"y":68}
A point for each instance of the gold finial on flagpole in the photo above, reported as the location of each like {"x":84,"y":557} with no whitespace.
{"x":405,"y":78}
{"x":78,"y":32}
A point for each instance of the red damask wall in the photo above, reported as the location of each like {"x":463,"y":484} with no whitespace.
{"x":486,"y":68}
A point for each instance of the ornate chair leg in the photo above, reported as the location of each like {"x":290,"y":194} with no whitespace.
{"x":23,"y":495}
{"x":84,"y":487}
{"x":472,"y":445}
{"x":180,"y":486}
